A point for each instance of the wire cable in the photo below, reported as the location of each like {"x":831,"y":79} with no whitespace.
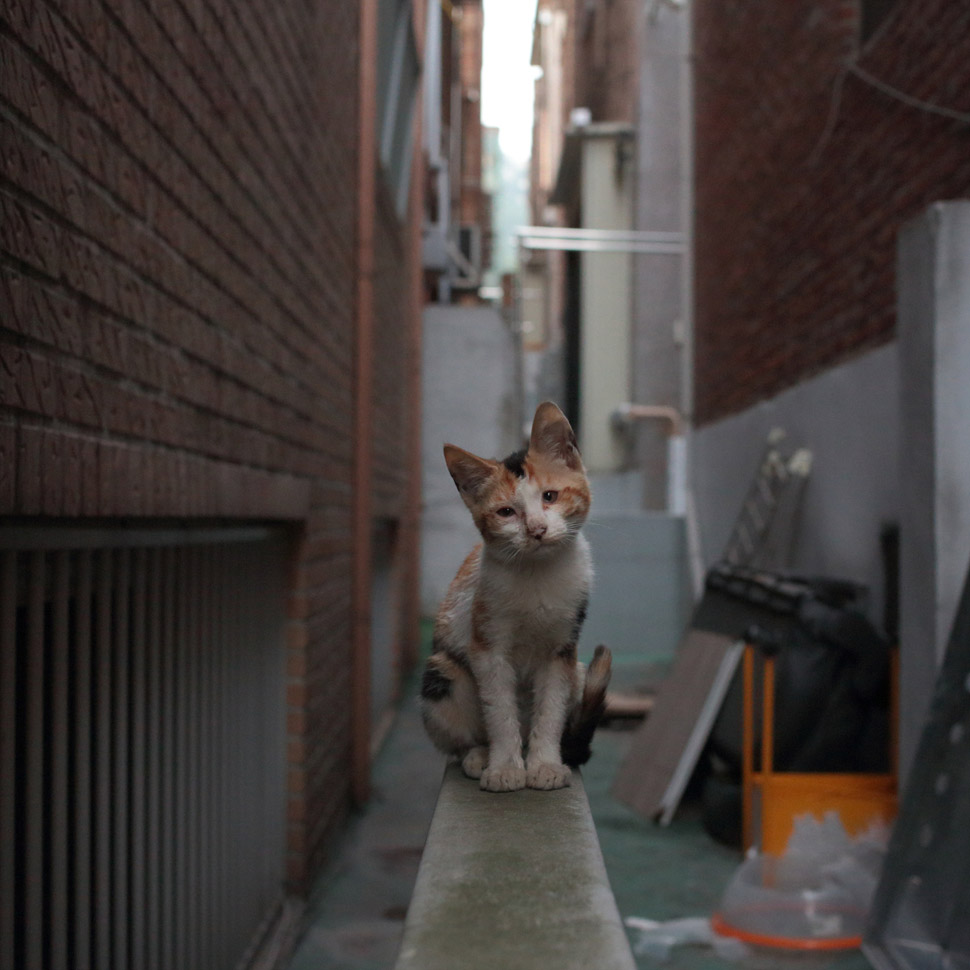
{"x":892,"y":92}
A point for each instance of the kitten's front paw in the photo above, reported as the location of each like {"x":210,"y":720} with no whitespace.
{"x":473,"y":764}
{"x":548,"y":776}
{"x":503,"y":778}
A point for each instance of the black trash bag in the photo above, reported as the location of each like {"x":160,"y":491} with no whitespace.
{"x":831,"y":688}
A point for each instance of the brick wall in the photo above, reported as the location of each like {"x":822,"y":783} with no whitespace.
{"x":805,"y":173}
{"x":606,"y":51}
{"x":471,"y":198}
{"x":177,"y":334}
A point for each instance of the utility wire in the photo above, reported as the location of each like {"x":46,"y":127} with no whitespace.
{"x":835,"y":106}
{"x":936,"y":109}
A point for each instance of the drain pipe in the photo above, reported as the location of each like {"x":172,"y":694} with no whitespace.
{"x":624,"y":415}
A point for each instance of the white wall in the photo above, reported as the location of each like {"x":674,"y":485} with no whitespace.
{"x":890,"y":432}
{"x":934,"y":399}
{"x":471,"y":393}
{"x":657,"y":285}
{"x":848,"y":417}
{"x":607,"y":203}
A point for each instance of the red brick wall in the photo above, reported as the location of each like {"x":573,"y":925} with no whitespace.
{"x":804,"y":176}
{"x":606,"y":73}
{"x":178,"y":251}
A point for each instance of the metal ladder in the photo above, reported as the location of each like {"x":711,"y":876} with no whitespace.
{"x":778,"y":481}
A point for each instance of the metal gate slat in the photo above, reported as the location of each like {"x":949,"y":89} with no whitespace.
{"x":142,"y":749}
{"x":139,"y":759}
{"x":103,"y":762}
{"x":182,"y":777}
{"x":154,"y":757}
{"x":8,"y":748}
{"x":82,"y":764}
{"x":193,"y":769}
{"x":34,"y":912}
{"x":60,"y":734}
{"x":169,"y":720}
{"x":121,"y":779}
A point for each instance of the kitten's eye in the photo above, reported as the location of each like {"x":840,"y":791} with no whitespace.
{"x":506,"y":511}
{"x":549,"y":497}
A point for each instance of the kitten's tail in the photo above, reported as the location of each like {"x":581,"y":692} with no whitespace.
{"x":578,"y":734}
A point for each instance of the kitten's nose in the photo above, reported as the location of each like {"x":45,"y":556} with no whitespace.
{"x":537,"y":531}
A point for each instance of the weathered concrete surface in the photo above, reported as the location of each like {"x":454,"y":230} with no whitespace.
{"x":641,"y":599}
{"x":934,"y":470}
{"x":515,"y":881}
{"x":471,"y":398}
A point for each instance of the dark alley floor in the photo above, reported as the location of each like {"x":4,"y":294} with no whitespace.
{"x":356,"y":920}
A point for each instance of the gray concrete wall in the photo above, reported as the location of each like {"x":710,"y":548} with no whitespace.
{"x":487,"y":897}
{"x":657,"y":293}
{"x":934,"y":400}
{"x":640,"y":602}
{"x":848,"y":417}
{"x":890,"y":432}
{"x":472,"y":398}
{"x":606,"y":298}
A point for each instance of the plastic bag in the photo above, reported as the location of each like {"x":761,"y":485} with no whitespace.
{"x":656,"y":940}
{"x":815,"y":896}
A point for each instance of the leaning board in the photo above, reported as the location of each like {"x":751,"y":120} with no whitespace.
{"x":664,"y":751}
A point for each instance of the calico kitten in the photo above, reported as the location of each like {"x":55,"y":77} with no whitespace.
{"x":504,"y":675}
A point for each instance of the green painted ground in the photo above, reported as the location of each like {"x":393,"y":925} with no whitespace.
{"x":657,"y":873}
{"x":674,"y":872}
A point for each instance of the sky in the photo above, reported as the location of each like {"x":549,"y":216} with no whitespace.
{"x":507,"y":76}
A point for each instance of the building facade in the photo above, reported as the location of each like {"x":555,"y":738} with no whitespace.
{"x":830,"y":155}
{"x":209,"y":428}
{"x":812,"y":151}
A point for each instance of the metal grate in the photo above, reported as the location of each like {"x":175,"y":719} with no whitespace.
{"x":142,"y":796}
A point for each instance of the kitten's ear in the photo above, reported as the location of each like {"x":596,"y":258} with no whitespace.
{"x":469,"y":471}
{"x":553,"y":436}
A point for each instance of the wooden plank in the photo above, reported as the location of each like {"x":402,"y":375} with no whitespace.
{"x":628,"y":706}
{"x":657,"y":748}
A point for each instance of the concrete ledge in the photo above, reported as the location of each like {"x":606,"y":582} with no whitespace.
{"x":515,"y":881}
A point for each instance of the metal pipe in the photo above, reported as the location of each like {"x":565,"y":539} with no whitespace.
{"x":626,"y":413}
{"x":573,"y":239}
{"x":363,"y":402}
{"x":602,"y":235}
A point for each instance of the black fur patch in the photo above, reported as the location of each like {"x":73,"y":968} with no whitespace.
{"x":435,"y":686}
{"x":568,"y":652}
{"x":578,"y":622}
{"x":515,"y":463}
{"x":576,"y":745}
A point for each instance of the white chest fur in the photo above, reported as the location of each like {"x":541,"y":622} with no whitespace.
{"x":533,"y":605}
